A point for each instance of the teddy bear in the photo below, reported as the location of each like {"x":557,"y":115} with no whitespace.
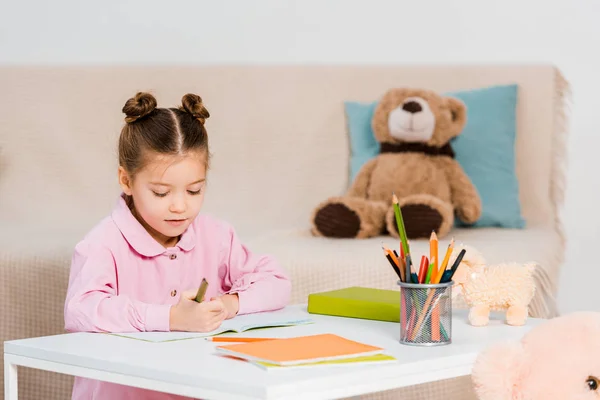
{"x":508,"y":287}
{"x":416,"y":162}
{"x":555,"y":360}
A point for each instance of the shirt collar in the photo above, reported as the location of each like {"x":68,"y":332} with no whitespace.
{"x":137,"y":236}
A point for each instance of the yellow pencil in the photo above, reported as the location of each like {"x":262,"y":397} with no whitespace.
{"x":444,"y":265}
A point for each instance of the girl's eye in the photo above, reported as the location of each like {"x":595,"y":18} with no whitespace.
{"x":194,"y":192}
{"x":592,"y":383}
{"x":160,"y":194}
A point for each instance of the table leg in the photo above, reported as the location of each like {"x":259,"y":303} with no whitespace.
{"x":10,"y":381}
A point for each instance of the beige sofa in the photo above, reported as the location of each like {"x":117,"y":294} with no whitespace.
{"x":279,"y":144}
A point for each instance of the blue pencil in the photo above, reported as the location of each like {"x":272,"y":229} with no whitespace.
{"x":448,"y":274}
{"x":413,"y":277}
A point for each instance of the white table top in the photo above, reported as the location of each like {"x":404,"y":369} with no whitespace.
{"x":192,"y":363}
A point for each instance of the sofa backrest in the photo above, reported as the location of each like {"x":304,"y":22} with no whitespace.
{"x":277,"y":134}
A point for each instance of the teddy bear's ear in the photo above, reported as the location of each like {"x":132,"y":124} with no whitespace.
{"x":458,"y":111}
{"x":498,"y":370}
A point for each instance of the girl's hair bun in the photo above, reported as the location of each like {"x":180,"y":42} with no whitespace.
{"x":192,"y":103}
{"x":139,"y":106}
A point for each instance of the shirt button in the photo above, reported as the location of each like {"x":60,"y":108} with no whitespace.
{"x":173,"y":293}
{"x":173,"y":256}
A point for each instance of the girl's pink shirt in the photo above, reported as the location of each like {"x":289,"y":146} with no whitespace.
{"x":122,"y":280}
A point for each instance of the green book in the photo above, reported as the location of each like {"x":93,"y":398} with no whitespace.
{"x":357,"y":302}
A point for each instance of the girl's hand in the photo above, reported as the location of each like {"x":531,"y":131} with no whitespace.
{"x":231,"y":302}
{"x":188,"y":315}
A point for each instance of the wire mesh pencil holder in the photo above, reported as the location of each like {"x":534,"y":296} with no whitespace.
{"x":425,"y":314}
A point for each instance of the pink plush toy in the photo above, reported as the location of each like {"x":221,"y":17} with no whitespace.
{"x":559,"y":359}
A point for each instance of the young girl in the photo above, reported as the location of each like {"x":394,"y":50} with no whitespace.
{"x":139,"y":269}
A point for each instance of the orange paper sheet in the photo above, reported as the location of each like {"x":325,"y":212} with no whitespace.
{"x":301,"y":349}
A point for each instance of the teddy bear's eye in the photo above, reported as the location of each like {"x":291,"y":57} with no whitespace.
{"x":453,"y":114}
{"x":592,"y":383}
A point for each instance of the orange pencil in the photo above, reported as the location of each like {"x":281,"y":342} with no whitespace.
{"x":396,"y":261}
{"x":433,"y":252}
{"x":237,"y":339}
{"x":435,"y":323}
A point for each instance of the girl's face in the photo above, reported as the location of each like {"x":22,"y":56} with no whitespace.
{"x":167,"y":194}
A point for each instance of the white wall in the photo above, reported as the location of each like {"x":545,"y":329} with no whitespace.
{"x":343,"y":31}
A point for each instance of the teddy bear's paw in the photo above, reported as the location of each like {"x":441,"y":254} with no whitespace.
{"x":336,"y":220}
{"x":349,"y":217}
{"x":516,"y":315}
{"x":422,"y":214}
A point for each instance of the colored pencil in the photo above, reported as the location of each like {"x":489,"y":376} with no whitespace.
{"x":403,"y":311}
{"x":430,"y":271}
{"x":435,"y":323}
{"x":427,"y":311}
{"x":444,"y":264}
{"x":401,"y":228}
{"x":423,"y":312}
{"x":446,"y":276}
{"x":413,"y":272}
{"x":408,"y":269}
{"x":433,"y":254}
{"x":423,"y":268}
{"x":452,"y":270}
{"x":201,"y":291}
{"x":401,"y":261}
{"x":444,"y":332}
{"x":411,"y":324}
{"x":402,"y":255}
{"x":393,"y":264}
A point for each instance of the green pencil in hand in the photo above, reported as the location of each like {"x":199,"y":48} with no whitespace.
{"x":201,"y":291}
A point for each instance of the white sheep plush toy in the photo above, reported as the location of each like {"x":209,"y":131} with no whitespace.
{"x":507,"y":287}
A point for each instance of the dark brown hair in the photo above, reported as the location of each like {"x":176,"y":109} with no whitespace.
{"x":169,"y":131}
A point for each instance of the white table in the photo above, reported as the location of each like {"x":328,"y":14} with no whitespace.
{"x":190,"y":368}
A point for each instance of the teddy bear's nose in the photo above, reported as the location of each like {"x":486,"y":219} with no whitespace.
{"x":412,"y":107}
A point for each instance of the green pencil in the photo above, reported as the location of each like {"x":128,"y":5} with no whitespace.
{"x":201,"y":291}
{"x":429,"y":270}
{"x":444,"y":332}
{"x":400,"y":223}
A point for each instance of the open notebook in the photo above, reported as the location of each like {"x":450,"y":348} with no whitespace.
{"x":240,"y":323}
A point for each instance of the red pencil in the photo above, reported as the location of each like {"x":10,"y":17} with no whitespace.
{"x":423,"y":269}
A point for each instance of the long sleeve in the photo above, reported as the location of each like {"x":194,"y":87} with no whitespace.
{"x":92,"y":303}
{"x":259,"y":280}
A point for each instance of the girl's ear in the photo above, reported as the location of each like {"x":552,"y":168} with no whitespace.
{"x":124,"y":181}
{"x":498,"y":370}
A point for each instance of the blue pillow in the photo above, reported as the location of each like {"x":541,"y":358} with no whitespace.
{"x":485,"y":149}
